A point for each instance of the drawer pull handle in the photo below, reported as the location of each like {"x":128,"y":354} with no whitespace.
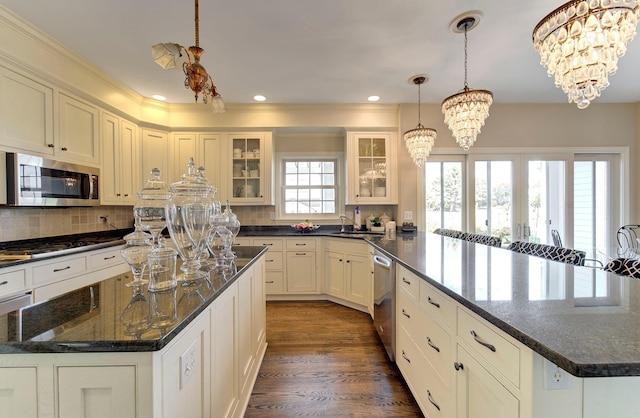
{"x":435,"y":347}
{"x":301,"y":253}
{"x":479,"y":341}
{"x":109,"y":258}
{"x":301,"y":244}
{"x":268,"y":261}
{"x":432,"y":401}
{"x":267,"y":243}
{"x":3,"y":283}
{"x":406,"y":281}
{"x":405,"y":313}
{"x":458,"y":366}
{"x":404,"y":356}
{"x":62,"y":269}
{"x":436,"y":304}
{"x":270,"y":282}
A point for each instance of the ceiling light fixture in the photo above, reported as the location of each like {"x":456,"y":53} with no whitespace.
{"x":466,"y":112}
{"x":579,"y":43}
{"x":259,"y":98}
{"x":419,"y":140}
{"x":197,"y":79}
{"x":373,"y":98}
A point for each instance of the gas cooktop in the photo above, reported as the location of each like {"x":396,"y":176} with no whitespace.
{"x":66,"y":244}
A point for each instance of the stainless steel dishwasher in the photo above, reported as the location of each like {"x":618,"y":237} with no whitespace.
{"x":384,"y":301}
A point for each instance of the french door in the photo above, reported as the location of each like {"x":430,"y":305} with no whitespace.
{"x":520,"y":197}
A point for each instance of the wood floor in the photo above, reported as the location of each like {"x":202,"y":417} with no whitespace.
{"x":324,"y":359}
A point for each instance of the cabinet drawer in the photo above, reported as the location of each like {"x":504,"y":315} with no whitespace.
{"x":274,"y":282}
{"x":436,"y":345}
{"x":407,"y":312}
{"x":59,"y":270}
{"x":492,"y":347}
{"x":105,"y":258}
{"x":242,"y":241}
{"x":438,"y":305}
{"x":409,"y":282}
{"x":273,"y":244}
{"x":273,"y":260}
{"x":301,"y":244}
{"x":12,"y":282}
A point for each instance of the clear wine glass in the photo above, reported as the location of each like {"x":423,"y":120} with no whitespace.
{"x":136,"y":252}
{"x":136,"y":316}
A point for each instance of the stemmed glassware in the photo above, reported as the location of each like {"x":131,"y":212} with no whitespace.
{"x":149,"y":209}
{"x":136,"y":252}
{"x":136,"y":317}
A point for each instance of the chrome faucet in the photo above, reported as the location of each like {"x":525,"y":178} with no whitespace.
{"x":342,"y":219}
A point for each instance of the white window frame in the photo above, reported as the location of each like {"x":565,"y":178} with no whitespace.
{"x":281,"y":158}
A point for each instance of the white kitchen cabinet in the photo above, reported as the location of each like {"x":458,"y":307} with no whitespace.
{"x":301,"y":272}
{"x":13,"y":281}
{"x":120,"y":176}
{"x":249,"y":175}
{"x":95,"y":391}
{"x":26,"y":113}
{"x":371,"y":168}
{"x":154,"y":151}
{"x":19,"y":392}
{"x":274,"y":263}
{"x":78,"y":131}
{"x":206,"y":149}
{"x":348,"y":271}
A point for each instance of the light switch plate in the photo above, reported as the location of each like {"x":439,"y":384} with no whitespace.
{"x":408,"y":215}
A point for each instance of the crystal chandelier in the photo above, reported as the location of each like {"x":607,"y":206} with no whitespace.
{"x":419,"y":140}
{"x":465,"y":112}
{"x":579,"y":43}
{"x":197,"y":79}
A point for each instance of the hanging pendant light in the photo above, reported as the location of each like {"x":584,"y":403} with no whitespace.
{"x":466,"y":112}
{"x":420,"y":140}
{"x":580,"y":42}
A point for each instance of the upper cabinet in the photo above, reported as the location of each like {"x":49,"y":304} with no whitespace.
{"x":77,"y":138}
{"x":26,"y":113}
{"x":120,"y":175}
{"x":249,"y":173}
{"x":155,"y":149}
{"x":371,"y":168}
{"x":207,"y":151}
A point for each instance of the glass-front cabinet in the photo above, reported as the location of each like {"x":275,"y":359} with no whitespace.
{"x":251,"y":167}
{"x":371,"y":167}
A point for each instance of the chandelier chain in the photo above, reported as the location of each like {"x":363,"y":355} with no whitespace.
{"x":197,"y":20}
{"x":466,"y":85}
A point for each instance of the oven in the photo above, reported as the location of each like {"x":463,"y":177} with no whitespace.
{"x":37,"y":181}
{"x":384,"y":301}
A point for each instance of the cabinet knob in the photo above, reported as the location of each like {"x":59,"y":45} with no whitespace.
{"x":50,"y":145}
{"x":64,"y":148}
{"x":458,"y":366}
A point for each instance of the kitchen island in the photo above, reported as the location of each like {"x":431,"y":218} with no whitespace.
{"x":485,"y":327}
{"x":79,"y":353}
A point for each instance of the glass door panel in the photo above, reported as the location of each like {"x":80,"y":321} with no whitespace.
{"x":545,"y":200}
{"x":493,"y":196}
{"x":444,"y":195}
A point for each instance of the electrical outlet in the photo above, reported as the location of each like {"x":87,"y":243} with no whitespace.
{"x":408,"y":215}
{"x":272,"y":216}
{"x":554,"y":377}
{"x":103,"y":218}
{"x":188,"y":363}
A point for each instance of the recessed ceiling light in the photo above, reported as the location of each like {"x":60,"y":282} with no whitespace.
{"x":159,"y":97}
{"x":373,"y":98}
{"x":259,"y":98}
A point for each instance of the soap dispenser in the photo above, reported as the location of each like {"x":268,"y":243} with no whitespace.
{"x":357,"y":219}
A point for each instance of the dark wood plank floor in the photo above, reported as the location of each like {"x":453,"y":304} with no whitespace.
{"x":324,"y":359}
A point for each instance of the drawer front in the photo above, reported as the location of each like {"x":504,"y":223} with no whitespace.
{"x":273,"y":244}
{"x":301,"y":244}
{"x":274,"y":282}
{"x":59,"y":270}
{"x":492,"y":347}
{"x":13,"y":282}
{"x":437,"y":345}
{"x":105,"y":259}
{"x":407,"y":312}
{"x":246,"y":242}
{"x":408,"y":281}
{"x":438,"y":305}
{"x":273,"y":260}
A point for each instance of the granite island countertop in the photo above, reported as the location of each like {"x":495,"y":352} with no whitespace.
{"x":89,"y":319}
{"x":585,"y":320}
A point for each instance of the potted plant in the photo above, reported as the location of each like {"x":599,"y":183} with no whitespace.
{"x":376,"y":225}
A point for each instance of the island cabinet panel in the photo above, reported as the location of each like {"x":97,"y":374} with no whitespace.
{"x":96,"y":392}
{"x":18,"y":392}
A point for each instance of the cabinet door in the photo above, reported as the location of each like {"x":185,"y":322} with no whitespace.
{"x":78,"y":131}
{"x":128,"y":166}
{"x":210,"y":156}
{"x":185,"y":145}
{"x":97,"y":392}
{"x":301,"y":272}
{"x":18,"y":392}
{"x":359,"y":279}
{"x":250,"y":170}
{"x":479,"y":394}
{"x":26,"y":113}
{"x":246,"y":358}
{"x":334,"y":273}
{"x":155,"y":154}
{"x":224,"y":360}
{"x":110,"y":176}
{"x":371,"y":160}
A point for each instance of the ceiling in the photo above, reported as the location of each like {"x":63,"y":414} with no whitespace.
{"x":310,"y":51}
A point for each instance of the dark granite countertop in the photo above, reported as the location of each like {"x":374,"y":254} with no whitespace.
{"x":74,"y":322}
{"x":582,"y":319}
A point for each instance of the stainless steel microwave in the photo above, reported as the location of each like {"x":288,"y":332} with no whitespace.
{"x":37,"y":181}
